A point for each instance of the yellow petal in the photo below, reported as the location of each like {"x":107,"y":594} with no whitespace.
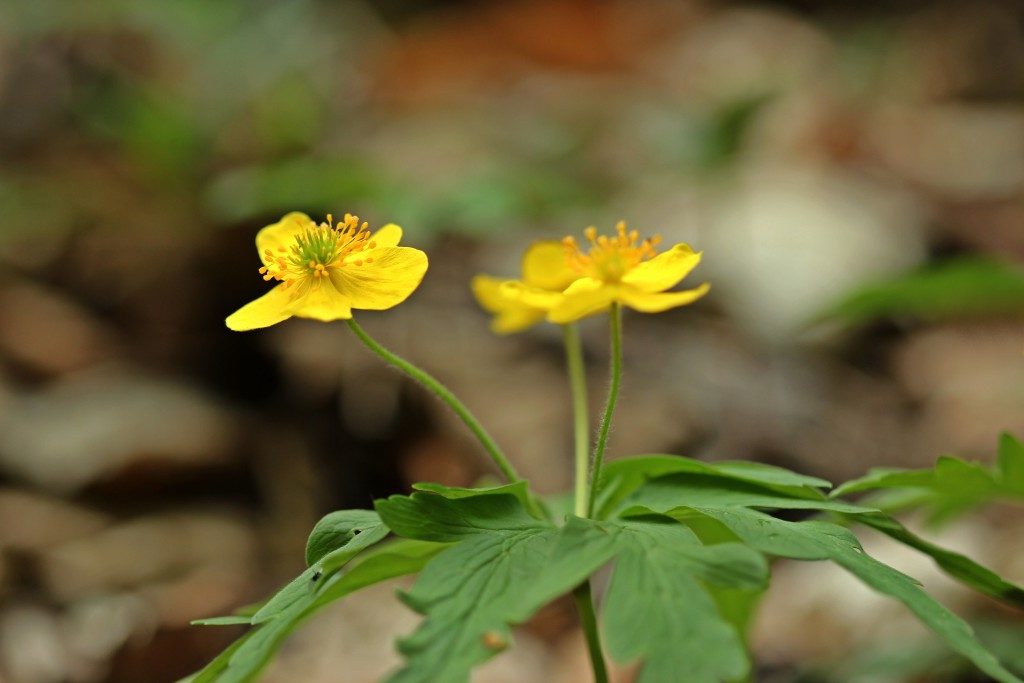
{"x":386,"y":281}
{"x":269,"y":309}
{"x":584,"y":297}
{"x":535,"y":297}
{"x":545,"y":266}
{"x":511,"y":314}
{"x":664,"y":270}
{"x":281,"y":235}
{"x":322,"y":302}
{"x":388,"y":236}
{"x":655,"y":302}
{"x":516,"y":318}
{"x":487,"y":291}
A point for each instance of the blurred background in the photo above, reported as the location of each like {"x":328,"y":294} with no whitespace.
{"x":860,"y":165}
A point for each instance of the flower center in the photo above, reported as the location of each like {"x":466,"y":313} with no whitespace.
{"x":316,"y":250}
{"x":609,"y":258}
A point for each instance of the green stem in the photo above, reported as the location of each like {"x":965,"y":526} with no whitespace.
{"x":445,"y":395}
{"x":615,"y":325}
{"x":580,"y":414}
{"x":588,"y":619}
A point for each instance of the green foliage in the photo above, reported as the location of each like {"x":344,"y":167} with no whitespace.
{"x":968,"y":286}
{"x":624,"y":476}
{"x":658,"y":608}
{"x":815,"y":540}
{"x":688,"y":542}
{"x":338,"y":529}
{"x":949,"y":488}
{"x":958,"y":566}
{"x":306,"y":583}
{"x":246,"y":657}
{"x":499,"y":573}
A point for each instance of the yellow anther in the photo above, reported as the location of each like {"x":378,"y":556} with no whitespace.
{"x":609,"y":258}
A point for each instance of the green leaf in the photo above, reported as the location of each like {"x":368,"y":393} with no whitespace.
{"x":700,"y":489}
{"x":821,"y":540}
{"x":1010,"y":464}
{"x":308,"y":582}
{"x":506,"y":565}
{"x":658,"y":610}
{"x":230,"y":620}
{"x":949,"y":488}
{"x":498,"y":574}
{"x":958,"y":566}
{"x":243,"y":660}
{"x":519,"y":489}
{"x":336,"y":530}
{"x":431,"y":516}
{"x":884,"y":478}
{"x":952,"y":289}
{"x":470,"y":594}
{"x":622,"y":477}
{"x":663,"y":603}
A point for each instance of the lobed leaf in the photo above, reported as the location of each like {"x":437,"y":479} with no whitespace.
{"x":431,"y":516}
{"x":309,"y":581}
{"x":960,"y":567}
{"x":950,"y":487}
{"x":698,"y":489}
{"x":658,"y":610}
{"x":498,"y":574}
{"x":821,"y":540}
{"x":336,"y":529}
{"x":622,"y":477}
{"x":243,"y":660}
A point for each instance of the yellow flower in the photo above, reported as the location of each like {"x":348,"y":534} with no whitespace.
{"x":546,"y":273}
{"x":326,"y":270}
{"x":621,"y":269}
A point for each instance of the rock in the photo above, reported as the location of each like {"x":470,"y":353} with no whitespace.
{"x":966,"y":378}
{"x":962,"y":151}
{"x":48,"y":333}
{"x":792,"y":239}
{"x":90,"y":426}
{"x":164,"y":554}
{"x":43,"y":521}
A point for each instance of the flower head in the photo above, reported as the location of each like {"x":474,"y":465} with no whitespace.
{"x":623,"y":269}
{"x":519,"y":304}
{"x":325,"y":270}
{"x":563,"y":282}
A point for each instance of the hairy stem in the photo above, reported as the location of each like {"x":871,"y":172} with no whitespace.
{"x":445,"y":395}
{"x":588,"y":619}
{"x":615,"y":325}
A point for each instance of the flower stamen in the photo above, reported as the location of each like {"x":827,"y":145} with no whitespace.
{"x":608,"y":259}
{"x":316,"y":249}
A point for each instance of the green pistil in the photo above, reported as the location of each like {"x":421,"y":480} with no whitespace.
{"x":319,"y":245}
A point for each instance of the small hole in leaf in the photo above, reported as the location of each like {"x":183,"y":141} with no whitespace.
{"x":355,"y":532}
